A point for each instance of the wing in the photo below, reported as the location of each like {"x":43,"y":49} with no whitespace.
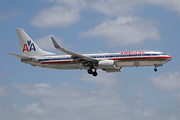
{"x":74,"y":55}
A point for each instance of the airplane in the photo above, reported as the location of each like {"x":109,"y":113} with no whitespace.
{"x":108,"y":61}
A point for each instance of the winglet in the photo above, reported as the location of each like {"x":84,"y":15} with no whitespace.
{"x":73,"y":54}
{"x":55,"y":43}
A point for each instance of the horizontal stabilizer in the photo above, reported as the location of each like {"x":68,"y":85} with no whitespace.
{"x":19,"y":56}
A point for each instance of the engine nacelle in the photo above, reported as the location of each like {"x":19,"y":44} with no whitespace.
{"x":116,"y":69}
{"x":106,"y":64}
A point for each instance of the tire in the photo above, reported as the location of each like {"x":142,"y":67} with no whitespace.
{"x":90,"y":71}
{"x":94,"y":73}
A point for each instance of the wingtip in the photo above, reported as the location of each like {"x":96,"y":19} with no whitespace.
{"x":10,"y":53}
{"x":52,"y":38}
{"x":55,"y":43}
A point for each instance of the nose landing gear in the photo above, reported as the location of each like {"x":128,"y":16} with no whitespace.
{"x":155,"y":69}
{"x":157,"y":65}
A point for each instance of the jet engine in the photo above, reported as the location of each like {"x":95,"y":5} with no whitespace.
{"x":106,"y":64}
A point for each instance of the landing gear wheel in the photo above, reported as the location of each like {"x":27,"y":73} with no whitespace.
{"x":90,"y":71}
{"x":155,"y":69}
{"x":94,"y":73}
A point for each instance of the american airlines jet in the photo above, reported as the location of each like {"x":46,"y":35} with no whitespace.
{"x":109,"y":61}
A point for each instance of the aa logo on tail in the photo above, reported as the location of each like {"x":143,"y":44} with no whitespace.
{"x":29,"y":46}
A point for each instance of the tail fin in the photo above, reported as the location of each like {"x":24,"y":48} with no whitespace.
{"x":28,"y":46}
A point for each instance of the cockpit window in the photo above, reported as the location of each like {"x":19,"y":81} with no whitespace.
{"x":162,"y":54}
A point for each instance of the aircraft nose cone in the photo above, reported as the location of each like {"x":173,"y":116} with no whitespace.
{"x":169,"y":58}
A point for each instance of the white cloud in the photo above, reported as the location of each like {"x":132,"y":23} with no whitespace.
{"x":84,"y":108}
{"x":178,"y":100}
{"x":43,"y":89}
{"x":86,"y":102}
{"x":66,"y":12}
{"x":167,"y":82}
{"x":32,"y":109}
{"x":78,"y":108}
{"x":70,"y":3}
{"x":66,"y":102}
{"x":145,"y":113}
{"x":55,"y":16}
{"x":5,"y":16}
{"x":124,"y":31}
{"x":63,"y":13}
{"x":46,"y":42}
{"x":169,"y":4}
{"x":4,"y":74}
{"x":121,"y":7}
{"x":115,"y":7}
{"x":4,"y":91}
{"x":173,"y":118}
{"x":109,"y":83}
{"x":53,"y":103}
{"x":103,"y":79}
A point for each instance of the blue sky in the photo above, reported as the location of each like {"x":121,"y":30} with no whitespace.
{"x":33,"y":93}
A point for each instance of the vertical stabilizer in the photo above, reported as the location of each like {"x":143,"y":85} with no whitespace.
{"x":28,"y":46}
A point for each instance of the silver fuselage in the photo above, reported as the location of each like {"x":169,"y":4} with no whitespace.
{"x":122,"y":59}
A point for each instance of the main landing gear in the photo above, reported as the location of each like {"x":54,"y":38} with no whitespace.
{"x":94,"y":73}
{"x":91,"y":71}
